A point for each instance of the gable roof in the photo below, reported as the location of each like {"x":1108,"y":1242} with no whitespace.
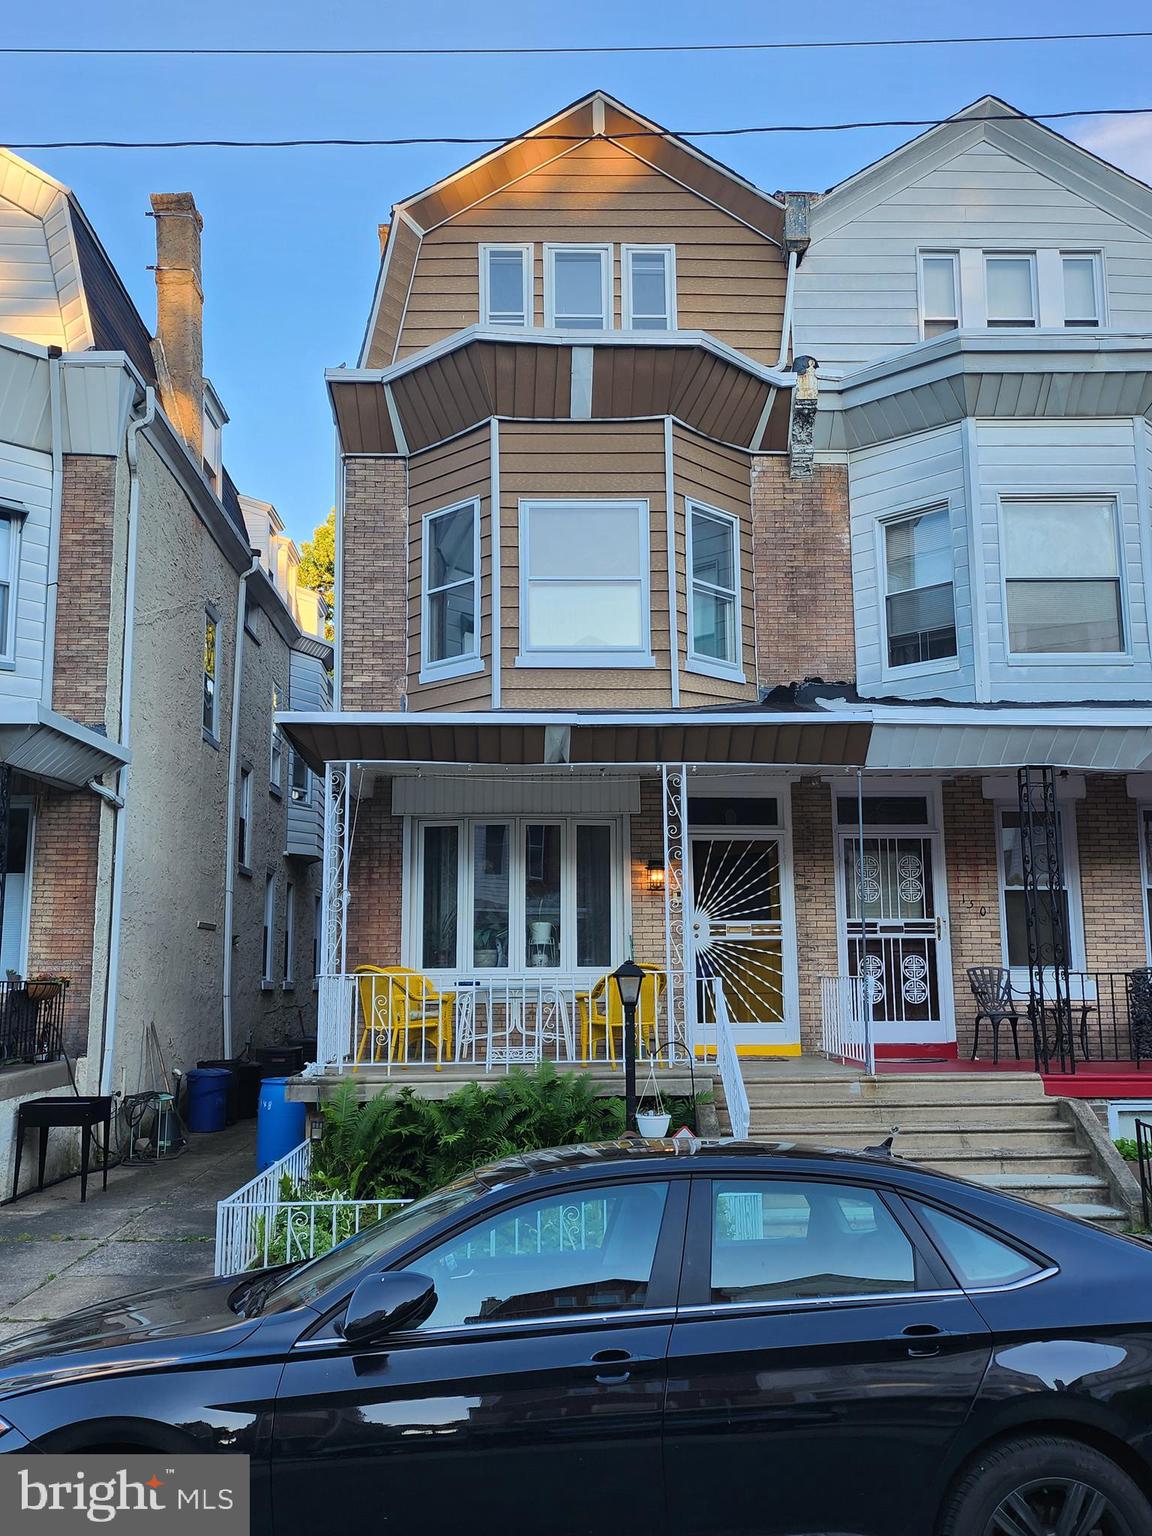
{"x":989,"y":120}
{"x":595,"y":116}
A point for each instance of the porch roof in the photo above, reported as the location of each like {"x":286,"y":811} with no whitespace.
{"x":807,"y":738}
{"x":39,"y":742}
{"x":1092,"y":738}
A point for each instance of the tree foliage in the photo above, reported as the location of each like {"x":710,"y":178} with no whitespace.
{"x":318,"y":560}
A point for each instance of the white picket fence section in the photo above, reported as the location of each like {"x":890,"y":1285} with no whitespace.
{"x":258,"y":1226}
{"x":846,"y":1021}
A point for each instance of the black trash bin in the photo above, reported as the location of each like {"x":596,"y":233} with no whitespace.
{"x":281,"y":1060}
{"x":249,"y":1075}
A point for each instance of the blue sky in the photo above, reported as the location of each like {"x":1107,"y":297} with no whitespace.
{"x":290,"y":237}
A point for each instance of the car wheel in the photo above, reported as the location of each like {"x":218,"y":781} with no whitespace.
{"x":1040,"y":1486}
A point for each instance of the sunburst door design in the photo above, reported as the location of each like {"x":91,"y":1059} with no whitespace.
{"x":737,"y":925}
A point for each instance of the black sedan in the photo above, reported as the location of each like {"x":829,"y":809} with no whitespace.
{"x":639,"y":1338}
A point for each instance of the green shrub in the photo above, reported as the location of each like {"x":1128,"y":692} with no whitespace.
{"x":1126,"y":1148}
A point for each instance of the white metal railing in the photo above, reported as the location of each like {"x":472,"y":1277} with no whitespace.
{"x":272,"y":1219}
{"x":728,"y":1065}
{"x":846,"y":1021}
{"x":389,"y":1021}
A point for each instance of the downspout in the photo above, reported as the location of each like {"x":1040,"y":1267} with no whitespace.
{"x":786,"y":320}
{"x":112,"y":981}
{"x":233,"y":788}
{"x":56,"y":413}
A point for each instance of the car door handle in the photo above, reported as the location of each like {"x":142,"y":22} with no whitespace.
{"x":920,"y":1340}
{"x":612,"y":1357}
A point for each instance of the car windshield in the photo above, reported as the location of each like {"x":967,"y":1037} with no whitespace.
{"x":316,"y":1276}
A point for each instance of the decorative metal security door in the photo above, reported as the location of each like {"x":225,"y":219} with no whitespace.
{"x":897,"y":944}
{"x":738,"y":925}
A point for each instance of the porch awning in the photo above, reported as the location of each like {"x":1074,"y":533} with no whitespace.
{"x":799,"y":739}
{"x":39,"y":742}
{"x":1098,"y":740}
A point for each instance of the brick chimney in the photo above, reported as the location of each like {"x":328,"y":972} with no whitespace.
{"x":180,"y":314}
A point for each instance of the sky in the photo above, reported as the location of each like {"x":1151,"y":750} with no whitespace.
{"x":290,"y":244}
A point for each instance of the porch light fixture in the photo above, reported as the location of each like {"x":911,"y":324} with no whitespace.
{"x":629,"y":978}
{"x":656,"y":874}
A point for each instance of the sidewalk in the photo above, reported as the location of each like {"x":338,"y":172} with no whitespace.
{"x":155,"y":1226}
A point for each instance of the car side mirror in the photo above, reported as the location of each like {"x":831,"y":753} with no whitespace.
{"x":381,"y":1304}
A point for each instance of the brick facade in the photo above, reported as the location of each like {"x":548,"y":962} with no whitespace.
{"x":802,"y":569}
{"x":970,"y":862}
{"x":373,"y":617}
{"x":376,"y":881}
{"x":814,"y":884}
{"x":61,"y":926}
{"x":1111,"y":882}
{"x":87,"y":514}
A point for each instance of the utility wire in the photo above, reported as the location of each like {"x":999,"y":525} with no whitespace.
{"x":569,"y":49}
{"x":574,"y":138}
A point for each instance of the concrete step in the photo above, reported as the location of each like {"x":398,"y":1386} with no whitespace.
{"x":1107,"y":1216}
{"x":968,"y":1165}
{"x":924,"y":1140}
{"x":976,"y":1087}
{"x":1058,"y":1189}
{"x":769,"y":1115}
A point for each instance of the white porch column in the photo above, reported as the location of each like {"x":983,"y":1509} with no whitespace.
{"x":334,"y":891}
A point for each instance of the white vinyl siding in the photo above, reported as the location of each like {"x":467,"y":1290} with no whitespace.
{"x":26,"y":487}
{"x":648,"y":287}
{"x":857,"y":291}
{"x":506,"y":285}
{"x":450,"y":601}
{"x":578,"y":287}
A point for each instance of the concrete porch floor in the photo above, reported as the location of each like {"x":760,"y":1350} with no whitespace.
{"x":155,"y":1226}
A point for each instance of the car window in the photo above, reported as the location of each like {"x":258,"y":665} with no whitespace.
{"x":782,"y":1239}
{"x":590,"y":1250}
{"x":974,"y":1256}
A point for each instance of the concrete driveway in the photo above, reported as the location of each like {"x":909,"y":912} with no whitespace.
{"x":155,"y":1226}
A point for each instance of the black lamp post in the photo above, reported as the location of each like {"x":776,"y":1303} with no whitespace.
{"x":628,"y":979}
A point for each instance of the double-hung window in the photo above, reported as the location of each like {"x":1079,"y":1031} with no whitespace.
{"x":1058,"y":912}
{"x":276,"y":746}
{"x":1010,"y":289}
{"x":1083,"y":290}
{"x":289,"y":935}
{"x":269,"y":930}
{"x":919,"y":600}
{"x":939,"y":293}
{"x":451,"y":608}
{"x":578,"y":287}
{"x":714,"y":606}
{"x":211,"y":704}
{"x":10,"y":529}
{"x":648,"y":287}
{"x":584,"y":584}
{"x":244,"y":821}
{"x":516,"y":894}
{"x":506,"y":285}
{"x":1062,"y":583}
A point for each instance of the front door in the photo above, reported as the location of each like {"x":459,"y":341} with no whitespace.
{"x":894,"y":934}
{"x":738,"y":932}
{"x":821,"y":1365}
{"x":530,"y":1400}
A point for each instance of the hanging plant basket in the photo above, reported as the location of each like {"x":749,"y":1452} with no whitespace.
{"x":39,"y":990}
{"x":653,"y":1123}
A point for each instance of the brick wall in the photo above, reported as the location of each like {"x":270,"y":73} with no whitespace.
{"x":813,"y":860}
{"x":375,"y":881}
{"x":803,"y":573}
{"x":1111,"y":883}
{"x":63,"y":902}
{"x":973,"y":894}
{"x":647,"y":838}
{"x":88,"y":501}
{"x":373,"y":591}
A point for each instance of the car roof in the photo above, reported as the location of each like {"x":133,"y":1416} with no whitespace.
{"x":631,"y":1153}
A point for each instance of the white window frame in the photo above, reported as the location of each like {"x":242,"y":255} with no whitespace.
{"x":212,"y":442}
{"x":244,"y":822}
{"x":914,"y":668}
{"x":997,"y":254}
{"x":527,"y":255}
{"x":601,"y":656}
{"x":26,"y":803}
{"x":1097,"y":259}
{"x":212,"y":731}
{"x":269,"y":933}
{"x":626,"y":254}
{"x":275,"y":747}
{"x":695,"y":662}
{"x":606,"y":284}
{"x":451,"y":666}
{"x":938,"y":255}
{"x":413,"y":905}
{"x":299,"y":794}
{"x":1076,"y":946}
{"x":1066,"y":658}
{"x":289,"y":978}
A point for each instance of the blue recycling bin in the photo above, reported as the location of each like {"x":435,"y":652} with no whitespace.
{"x":207,"y":1103}
{"x":279,"y":1123}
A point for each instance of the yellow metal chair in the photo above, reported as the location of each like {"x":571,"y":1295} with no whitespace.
{"x":602,"y":1015}
{"x":397,"y":1002}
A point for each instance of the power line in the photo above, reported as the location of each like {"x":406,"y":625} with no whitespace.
{"x":573,"y":49}
{"x":575,"y":138}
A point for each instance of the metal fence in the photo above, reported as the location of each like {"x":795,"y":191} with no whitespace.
{"x":272,"y":1220}
{"x":1085,"y":1016}
{"x":1144,"y":1168}
{"x":32,"y":1020}
{"x":846,"y":1021}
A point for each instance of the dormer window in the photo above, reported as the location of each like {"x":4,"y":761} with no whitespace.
{"x":648,"y":287}
{"x":578,"y":287}
{"x":506,"y":285}
{"x":215,"y":417}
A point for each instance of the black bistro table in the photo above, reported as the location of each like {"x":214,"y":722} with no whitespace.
{"x":84,"y":1111}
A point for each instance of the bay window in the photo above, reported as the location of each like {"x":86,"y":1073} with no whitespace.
{"x":1062,"y":576}
{"x":919,"y":600}
{"x":714,"y":602}
{"x":516,"y":894}
{"x":451,"y":600}
{"x":578,"y":287}
{"x":584,"y":584}
{"x":648,"y":287}
{"x":506,"y":285}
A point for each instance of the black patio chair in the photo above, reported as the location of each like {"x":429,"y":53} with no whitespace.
{"x":1138,"y":986}
{"x":992,"y":988}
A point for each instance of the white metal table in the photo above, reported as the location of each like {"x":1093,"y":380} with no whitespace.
{"x":514,"y":1019}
